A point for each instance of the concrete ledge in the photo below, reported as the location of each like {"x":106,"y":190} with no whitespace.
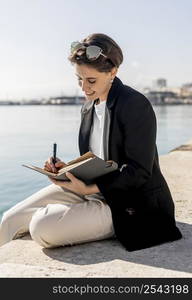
{"x":25,"y":258}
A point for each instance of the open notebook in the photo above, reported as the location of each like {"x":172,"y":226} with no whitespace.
{"x":86,"y":167}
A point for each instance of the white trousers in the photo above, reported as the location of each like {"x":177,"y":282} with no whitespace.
{"x":56,"y":217}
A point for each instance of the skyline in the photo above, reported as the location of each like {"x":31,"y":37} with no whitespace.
{"x":35,"y":41}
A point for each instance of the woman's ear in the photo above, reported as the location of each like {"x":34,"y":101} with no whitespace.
{"x":114,"y":72}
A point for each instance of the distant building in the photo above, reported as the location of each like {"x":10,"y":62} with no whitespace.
{"x":31,"y":102}
{"x":161,"y":94}
{"x":160,"y":83}
{"x":186,"y":90}
{"x":2,"y":102}
{"x":161,"y":97}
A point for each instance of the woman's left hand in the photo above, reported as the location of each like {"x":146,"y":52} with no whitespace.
{"x":76,"y":185}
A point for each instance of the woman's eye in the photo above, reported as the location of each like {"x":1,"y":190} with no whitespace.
{"x":89,"y":81}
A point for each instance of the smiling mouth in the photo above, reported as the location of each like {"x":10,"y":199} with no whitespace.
{"x":90,"y":94}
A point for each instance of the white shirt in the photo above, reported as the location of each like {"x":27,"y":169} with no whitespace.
{"x":96,"y":135}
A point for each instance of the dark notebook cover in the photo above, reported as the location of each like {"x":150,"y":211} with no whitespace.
{"x":86,"y":170}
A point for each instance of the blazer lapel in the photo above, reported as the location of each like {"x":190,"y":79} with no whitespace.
{"x":85,"y":128}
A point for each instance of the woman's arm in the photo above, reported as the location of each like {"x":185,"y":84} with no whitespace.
{"x":76,"y":185}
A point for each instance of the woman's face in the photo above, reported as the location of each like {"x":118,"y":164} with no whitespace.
{"x":93,"y":83}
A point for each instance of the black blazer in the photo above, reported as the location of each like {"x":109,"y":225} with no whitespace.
{"x":138,"y":195}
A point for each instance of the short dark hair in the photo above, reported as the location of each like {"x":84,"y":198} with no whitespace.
{"x":109,"y":47}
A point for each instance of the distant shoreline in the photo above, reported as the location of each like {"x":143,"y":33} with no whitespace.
{"x":62,"y":104}
{"x":39,"y":104}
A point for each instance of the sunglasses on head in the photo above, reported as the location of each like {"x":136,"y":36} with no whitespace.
{"x":92,"y":52}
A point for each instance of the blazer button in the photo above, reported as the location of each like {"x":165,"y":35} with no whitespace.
{"x":130,"y":211}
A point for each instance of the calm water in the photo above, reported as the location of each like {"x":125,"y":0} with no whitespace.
{"x":28,"y":132}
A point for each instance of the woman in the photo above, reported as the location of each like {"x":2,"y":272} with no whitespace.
{"x":132,"y":203}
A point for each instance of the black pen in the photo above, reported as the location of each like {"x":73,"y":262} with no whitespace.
{"x":54,"y":153}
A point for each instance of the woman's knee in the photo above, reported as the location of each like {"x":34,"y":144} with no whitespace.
{"x":44,"y":225}
{"x":7,"y":216}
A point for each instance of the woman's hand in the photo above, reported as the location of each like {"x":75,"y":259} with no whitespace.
{"x":76,"y":185}
{"x":51,"y":167}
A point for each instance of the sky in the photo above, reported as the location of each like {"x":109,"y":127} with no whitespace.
{"x":35,"y":37}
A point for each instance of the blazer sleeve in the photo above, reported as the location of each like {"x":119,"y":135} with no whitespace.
{"x":138,"y":123}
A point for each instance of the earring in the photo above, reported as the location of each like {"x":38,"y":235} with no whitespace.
{"x":111,"y":80}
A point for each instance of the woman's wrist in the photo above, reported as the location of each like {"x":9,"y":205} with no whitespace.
{"x":92,"y":189}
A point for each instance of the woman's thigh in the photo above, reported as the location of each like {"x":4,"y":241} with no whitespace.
{"x":50,"y":194}
{"x":15,"y":221}
{"x":68,"y":224}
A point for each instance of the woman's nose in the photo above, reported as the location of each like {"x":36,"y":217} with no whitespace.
{"x":84,"y":86}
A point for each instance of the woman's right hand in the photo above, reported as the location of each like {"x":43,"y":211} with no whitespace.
{"x":51,"y":167}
